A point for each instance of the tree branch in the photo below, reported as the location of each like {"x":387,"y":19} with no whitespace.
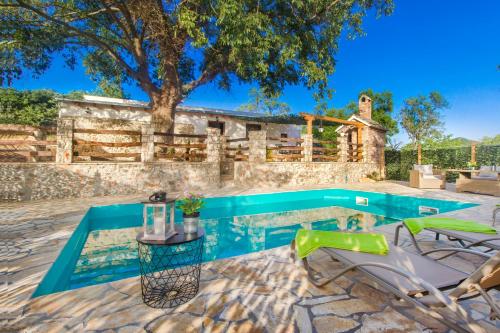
{"x":143,"y":80}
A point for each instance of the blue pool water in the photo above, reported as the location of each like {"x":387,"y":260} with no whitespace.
{"x":103,"y":248}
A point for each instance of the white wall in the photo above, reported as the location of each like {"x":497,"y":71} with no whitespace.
{"x":234,"y":127}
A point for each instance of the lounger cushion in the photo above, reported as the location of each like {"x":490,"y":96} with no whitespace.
{"x":437,"y":274}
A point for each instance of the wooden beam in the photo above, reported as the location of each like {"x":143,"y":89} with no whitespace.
{"x":473,"y":153}
{"x":310,"y":118}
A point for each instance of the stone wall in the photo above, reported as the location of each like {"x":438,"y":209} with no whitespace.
{"x":277,"y":174}
{"x":29,"y":181}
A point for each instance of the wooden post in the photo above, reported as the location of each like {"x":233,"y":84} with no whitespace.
{"x":473,"y":153}
{"x":360,"y":142}
{"x":309,"y":125}
{"x":419,"y":154}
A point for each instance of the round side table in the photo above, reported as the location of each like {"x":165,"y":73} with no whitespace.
{"x":170,"y":269}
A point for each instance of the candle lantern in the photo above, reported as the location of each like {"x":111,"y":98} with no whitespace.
{"x":155,"y":218}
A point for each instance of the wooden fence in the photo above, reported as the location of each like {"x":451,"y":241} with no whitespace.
{"x":284,"y":149}
{"x":180,"y":147}
{"x":237,"y":149}
{"x":354,"y":152}
{"x":325,"y":151}
{"x":106,"y":145}
{"x":27,"y":144}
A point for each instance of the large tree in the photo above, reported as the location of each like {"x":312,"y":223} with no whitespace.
{"x":421,"y":117}
{"x":261,"y":103}
{"x":171,"y":47}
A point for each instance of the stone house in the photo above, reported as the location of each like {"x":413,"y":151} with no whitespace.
{"x":188,"y":120}
{"x":373,"y":134}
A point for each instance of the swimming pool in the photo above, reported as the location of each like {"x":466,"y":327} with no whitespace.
{"x":103,"y":248}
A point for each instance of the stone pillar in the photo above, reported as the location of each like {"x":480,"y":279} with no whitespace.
{"x":214,"y":145}
{"x":307,"y":144}
{"x":64,"y":152}
{"x":342,"y":146}
{"x":148,"y":143}
{"x":257,"y":146}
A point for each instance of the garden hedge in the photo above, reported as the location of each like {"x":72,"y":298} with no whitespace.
{"x":400,"y":162}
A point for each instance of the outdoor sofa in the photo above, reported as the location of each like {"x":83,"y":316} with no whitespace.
{"x":422,"y":281}
{"x":424,"y":176}
{"x":484,"y":181}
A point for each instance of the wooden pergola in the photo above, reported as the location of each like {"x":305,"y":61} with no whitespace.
{"x":309,"y":118}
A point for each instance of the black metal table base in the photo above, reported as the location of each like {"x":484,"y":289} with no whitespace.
{"x":170,"y":273}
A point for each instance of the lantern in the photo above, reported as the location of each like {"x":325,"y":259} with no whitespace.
{"x":155,"y":218}
{"x":154,"y":215}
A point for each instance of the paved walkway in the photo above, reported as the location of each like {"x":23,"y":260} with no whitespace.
{"x":259,"y":292}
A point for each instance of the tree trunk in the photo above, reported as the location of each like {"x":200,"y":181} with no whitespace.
{"x":163,"y":112}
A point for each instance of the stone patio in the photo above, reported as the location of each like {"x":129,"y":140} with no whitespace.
{"x":259,"y":292}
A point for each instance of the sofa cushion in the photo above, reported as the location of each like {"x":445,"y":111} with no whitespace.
{"x":491,"y":176}
{"x":486,"y":172}
{"x":426,"y":169}
{"x":426,"y":176}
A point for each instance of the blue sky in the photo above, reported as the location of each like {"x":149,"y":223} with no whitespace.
{"x":449,"y":46}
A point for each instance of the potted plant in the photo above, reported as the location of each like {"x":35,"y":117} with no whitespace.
{"x":190,"y":205}
{"x":472,"y":165}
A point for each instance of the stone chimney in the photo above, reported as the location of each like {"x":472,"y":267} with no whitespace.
{"x":365,"y":107}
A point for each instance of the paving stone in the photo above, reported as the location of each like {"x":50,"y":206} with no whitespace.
{"x":345,"y":307}
{"x":235,"y":312}
{"x":177,"y":323}
{"x":302,"y":319}
{"x":388,"y":321}
{"x":333,"y":324}
{"x":366,"y":292}
{"x":245,"y":327}
{"x":320,"y":300}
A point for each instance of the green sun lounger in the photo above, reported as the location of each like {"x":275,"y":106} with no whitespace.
{"x":467,"y":233}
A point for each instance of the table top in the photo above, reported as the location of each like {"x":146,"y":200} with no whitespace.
{"x":180,"y":238}
{"x":166,"y":201}
{"x":469,"y":170}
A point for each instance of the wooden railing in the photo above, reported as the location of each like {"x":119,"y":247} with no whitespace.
{"x":284,"y":149}
{"x":354,"y":152}
{"x":27,"y":144}
{"x":237,"y":149}
{"x":97,"y":149}
{"x":180,"y":147}
{"x":325,"y":151}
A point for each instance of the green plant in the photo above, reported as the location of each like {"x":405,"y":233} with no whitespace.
{"x":471,"y":165}
{"x":191,"y":204}
{"x":374,"y":176}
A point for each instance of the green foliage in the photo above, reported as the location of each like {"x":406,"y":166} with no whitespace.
{"x":170,"y":48}
{"x":36,"y":107}
{"x":439,"y":141}
{"x":491,"y":140}
{"x":191,"y":203}
{"x":421,"y":118}
{"x":261,"y":103}
{"x":399,"y":163}
{"x":329,"y":133}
